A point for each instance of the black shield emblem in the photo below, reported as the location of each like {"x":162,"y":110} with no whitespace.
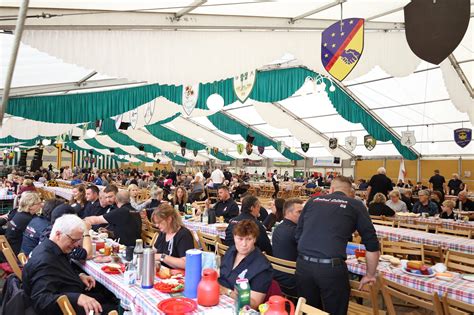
{"x":435,"y":28}
{"x":463,"y":136}
{"x":332,"y":143}
{"x":304,"y":147}
{"x":195,"y":152}
{"x":183,"y":151}
{"x":249,"y":148}
{"x":261,"y":149}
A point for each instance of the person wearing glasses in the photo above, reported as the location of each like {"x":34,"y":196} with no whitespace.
{"x":49,"y":273}
{"x":30,"y":204}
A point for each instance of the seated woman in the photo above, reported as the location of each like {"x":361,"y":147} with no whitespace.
{"x":32,"y":233}
{"x":26,"y":186}
{"x":78,"y":200}
{"x":134,"y":191}
{"x":437,"y":198}
{"x":447,"y":208}
{"x":276,"y":215}
{"x":156,"y":196}
{"x":174,"y":239}
{"x":180,"y":198}
{"x":395,"y":203}
{"x":244,"y":260}
{"x":30,"y":205}
{"x":378,"y":207}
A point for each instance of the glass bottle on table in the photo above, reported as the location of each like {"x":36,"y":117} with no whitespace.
{"x":138,"y":258}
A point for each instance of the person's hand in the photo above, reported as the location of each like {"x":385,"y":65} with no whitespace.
{"x":366,"y":280}
{"x":88,"y":281}
{"x":88,"y":226}
{"x":89,"y":304}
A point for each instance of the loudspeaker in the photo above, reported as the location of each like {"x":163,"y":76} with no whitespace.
{"x":37,"y":159}
{"x":182,"y":144}
{"x":124,"y":125}
{"x":22,"y":161}
{"x":158,"y":161}
{"x":112,"y":150}
{"x":141,"y":148}
{"x":91,"y":151}
{"x":337,"y":160}
{"x":250,"y":139}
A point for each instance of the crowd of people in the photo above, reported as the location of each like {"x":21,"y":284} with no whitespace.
{"x":54,"y":231}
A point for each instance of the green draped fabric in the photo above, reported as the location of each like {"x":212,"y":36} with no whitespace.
{"x":176,"y":157}
{"x":270,"y":86}
{"x":87,"y":107}
{"x":231,"y":126}
{"x":123,"y":139}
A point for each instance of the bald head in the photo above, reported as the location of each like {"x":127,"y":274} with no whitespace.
{"x":341,"y":183}
{"x":122,"y":197}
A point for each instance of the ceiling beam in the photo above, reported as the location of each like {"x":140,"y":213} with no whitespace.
{"x":317,"y":10}
{"x":196,"y":4}
{"x":311,"y":128}
{"x":70,"y":86}
{"x":68,"y":19}
{"x":372,"y":113}
{"x":253,"y":129}
{"x":374,"y":17}
{"x":461,"y":74}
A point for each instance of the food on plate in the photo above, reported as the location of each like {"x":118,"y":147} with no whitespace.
{"x":102,"y":259}
{"x":422,"y":270}
{"x":170,"y":285}
{"x":395,"y":261}
{"x":361,"y":259}
{"x":164,"y":273}
{"x":444,"y":274}
{"x":386,"y":257}
{"x":414,"y":264}
{"x":113,"y":268}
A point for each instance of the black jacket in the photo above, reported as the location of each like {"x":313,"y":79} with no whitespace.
{"x":262,"y":241}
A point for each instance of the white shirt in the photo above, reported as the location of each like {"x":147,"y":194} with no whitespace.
{"x":198,"y":174}
{"x":217,"y":176}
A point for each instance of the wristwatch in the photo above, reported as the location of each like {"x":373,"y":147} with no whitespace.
{"x":162,"y":258}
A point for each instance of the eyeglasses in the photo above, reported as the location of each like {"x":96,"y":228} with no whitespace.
{"x":73,"y":239}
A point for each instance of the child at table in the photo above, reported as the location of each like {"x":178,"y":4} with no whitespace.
{"x":447,"y":210}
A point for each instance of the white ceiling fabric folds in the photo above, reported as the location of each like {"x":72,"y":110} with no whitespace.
{"x":141,"y":55}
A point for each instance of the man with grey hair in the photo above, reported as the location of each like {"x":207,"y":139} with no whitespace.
{"x":124,"y":222}
{"x":49,"y":274}
{"x":379,"y":183}
{"x":424,"y":205}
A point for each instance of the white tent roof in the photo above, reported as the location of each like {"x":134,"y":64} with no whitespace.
{"x":419,"y":101}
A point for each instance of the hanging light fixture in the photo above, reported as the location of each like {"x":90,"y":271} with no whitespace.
{"x":90,"y":133}
{"x":17,"y":149}
{"x":46,"y":142}
{"x":5,"y":151}
{"x":215,"y":102}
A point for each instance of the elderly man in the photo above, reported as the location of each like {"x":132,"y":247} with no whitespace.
{"x":424,"y":204}
{"x":454,"y":185}
{"x":124,"y":222}
{"x":464,"y":203}
{"x":379,"y":183}
{"x":49,"y":274}
{"x":284,"y":243}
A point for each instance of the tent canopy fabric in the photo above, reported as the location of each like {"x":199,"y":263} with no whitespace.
{"x":389,"y":91}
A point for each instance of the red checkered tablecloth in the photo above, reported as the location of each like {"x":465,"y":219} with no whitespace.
{"x":455,"y":243}
{"x":203,"y":227}
{"x":458,"y":289}
{"x":145,"y":301}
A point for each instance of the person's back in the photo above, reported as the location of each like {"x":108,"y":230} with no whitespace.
{"x":32,"y":233}
{"x":125,"y":223}
{"x":380,"y":209}
{"x":379,"y":183}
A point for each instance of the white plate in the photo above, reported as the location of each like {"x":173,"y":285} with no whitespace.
{"x":468,"y":277}
{"x":423,"y":276}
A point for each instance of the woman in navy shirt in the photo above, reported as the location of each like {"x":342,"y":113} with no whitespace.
{"x":244,"y":260}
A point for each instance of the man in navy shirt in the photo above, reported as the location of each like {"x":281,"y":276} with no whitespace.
{"x":324,"y":228}
{"x":226,"y":206}
{"x":284,"y":243}
{"x":92,"y":207}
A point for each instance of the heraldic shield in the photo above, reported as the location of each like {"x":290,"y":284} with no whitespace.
{"x":462,"y":136}
{"x":435,"y":28}
{"x":370,"y":142}
{"x":304,"y":147}
{"x":341,"y":48}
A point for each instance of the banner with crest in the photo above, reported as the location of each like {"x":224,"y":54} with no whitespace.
{"x":190,"y":98}
{"x":243,"y":85}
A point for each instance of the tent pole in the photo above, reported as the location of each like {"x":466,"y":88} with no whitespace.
{"x":11,"y":66}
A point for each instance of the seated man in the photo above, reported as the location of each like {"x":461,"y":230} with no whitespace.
{"x":285,"y":245}
{"x":49,"y":274}
{"x":92,"y":206}
{"x":110,"y":193}
{"x":124,"y":222}
{"x":463,"y":203}
{"x":425,"y":205}
{"x":226,"y":206}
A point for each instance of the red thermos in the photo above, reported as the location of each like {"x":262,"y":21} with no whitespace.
{"x":208,"y":288}
{"x":276,"y":306}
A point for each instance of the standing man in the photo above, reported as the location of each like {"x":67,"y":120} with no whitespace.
{"x":284,"y":243}
{"x":324,"y":228}
{"x":276,"y":185}
{"x":217,"y":177}
{"x":454,"y":185}
{"x":379,"y":183}
{"x":437,"y":182}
